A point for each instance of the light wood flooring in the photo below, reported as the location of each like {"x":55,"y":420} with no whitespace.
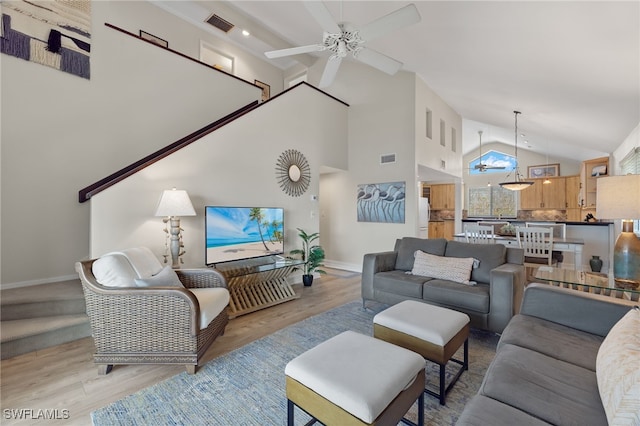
{"x":64,"y":376}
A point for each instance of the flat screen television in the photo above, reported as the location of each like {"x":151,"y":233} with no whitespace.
{"x":238,"y":233}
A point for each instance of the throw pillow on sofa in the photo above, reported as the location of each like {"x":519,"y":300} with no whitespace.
{"x":618,"y":371}
{"x":457,"y":269}
{"x":407,"y":246}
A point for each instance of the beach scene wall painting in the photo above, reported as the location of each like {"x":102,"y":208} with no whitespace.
{"x":235,"y":233}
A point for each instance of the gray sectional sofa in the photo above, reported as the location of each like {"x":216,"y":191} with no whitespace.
{"x":497,"y":279}
{"x":550,"y":369}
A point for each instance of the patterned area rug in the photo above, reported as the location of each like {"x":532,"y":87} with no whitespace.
{"x":247,"y":386}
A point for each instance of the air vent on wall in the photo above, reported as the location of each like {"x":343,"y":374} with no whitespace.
{"x":220,"y":23}
{"x":387,"y":158}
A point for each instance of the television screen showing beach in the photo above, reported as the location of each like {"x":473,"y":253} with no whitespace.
{"x":235,"y":233}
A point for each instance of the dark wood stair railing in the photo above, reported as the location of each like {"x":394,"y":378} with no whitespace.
{"x":86,"y":193}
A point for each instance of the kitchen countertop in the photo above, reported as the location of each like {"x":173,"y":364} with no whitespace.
{"x":597,"y":223}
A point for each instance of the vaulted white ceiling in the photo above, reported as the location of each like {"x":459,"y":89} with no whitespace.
{"x":571,"y":67}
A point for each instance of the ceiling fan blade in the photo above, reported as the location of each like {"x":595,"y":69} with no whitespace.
{"x":321,"y":14}
{"x":330,"y":71}
{"x":378,"y":60}
{"x":402,"y":17}
{"x":294,"y":51}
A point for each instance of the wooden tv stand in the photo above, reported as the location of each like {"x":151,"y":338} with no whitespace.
{"x":256,"y":284}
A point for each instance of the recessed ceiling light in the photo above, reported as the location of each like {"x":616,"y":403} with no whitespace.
{"x":246,"y":33}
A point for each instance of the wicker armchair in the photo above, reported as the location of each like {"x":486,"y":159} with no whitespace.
{"x":150,"y":325}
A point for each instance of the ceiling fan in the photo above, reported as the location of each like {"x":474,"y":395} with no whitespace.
{"x":481,"y":167}
{"x":343,"y":38}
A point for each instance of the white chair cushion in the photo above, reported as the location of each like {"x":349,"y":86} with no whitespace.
{"x":430,"y":323}
{"x":144,"y":262}
{"x":212,"y":301}
{"x":358,"y":373}
{"x":114,"y":270}
{"x":167,"y":277}
{"x":456,"y":269}
{"x":618,"y":371}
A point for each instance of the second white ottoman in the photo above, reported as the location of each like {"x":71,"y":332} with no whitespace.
{"x":435,"y":333}
{"x":353,"y":379}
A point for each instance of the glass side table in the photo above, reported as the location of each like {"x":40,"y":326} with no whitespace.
{"x":590,"y":282}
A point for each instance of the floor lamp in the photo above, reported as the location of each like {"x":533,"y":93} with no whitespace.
{"x":618,"y":197}
{"x":174,"y":203}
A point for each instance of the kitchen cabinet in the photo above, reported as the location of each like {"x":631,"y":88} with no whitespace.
{"x":572,"y":185}
{"x":443,"y":196}
{"x":572,"y":189}
{"x":544,"y":195}
{"x":436,"y":229}
{"x":591,"y":171}
{"x":449,"y":229}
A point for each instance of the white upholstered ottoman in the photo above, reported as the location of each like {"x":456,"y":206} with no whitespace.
{"x":435,"y":333}
{"x":353,"y":379}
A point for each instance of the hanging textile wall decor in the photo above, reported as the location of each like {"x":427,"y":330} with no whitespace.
{"x":56,"y":33}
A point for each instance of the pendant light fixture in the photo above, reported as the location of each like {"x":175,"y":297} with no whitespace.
{"x":518,"y":184}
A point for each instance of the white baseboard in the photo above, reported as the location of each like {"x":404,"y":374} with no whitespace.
{"x":6,"y":286}
{"x":353,"y":267}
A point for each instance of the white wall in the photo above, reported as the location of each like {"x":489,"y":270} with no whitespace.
{"x":632,"y":141}
{"x":429,"y":151}
{"x":381,"y":121}
{"x":233,"y":166}
{"x":61,"y":133}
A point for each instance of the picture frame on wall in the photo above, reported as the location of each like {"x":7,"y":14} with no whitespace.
{"x":154,"y":39}
{"x":545,"y":170}
{"x":381,"y":202}
{"x":266,"y":89}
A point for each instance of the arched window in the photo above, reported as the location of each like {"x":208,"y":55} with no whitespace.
{"x":492,"y":159}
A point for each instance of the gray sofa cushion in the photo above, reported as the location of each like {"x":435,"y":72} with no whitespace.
{"x":555,"y":340}
{"x":407,"y":246}
{"x":490,"y":256}
{"x":399,"y":282}
{"x":484,"y":411}
{"x":457,"y":296}
{"x":552,"y":390}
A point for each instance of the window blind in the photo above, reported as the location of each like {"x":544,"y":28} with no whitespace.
{"x":631,"y":163}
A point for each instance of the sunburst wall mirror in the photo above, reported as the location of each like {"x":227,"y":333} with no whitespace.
{"x":293,"y":172}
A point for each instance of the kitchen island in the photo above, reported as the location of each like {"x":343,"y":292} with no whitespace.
{"x":598,"y":240}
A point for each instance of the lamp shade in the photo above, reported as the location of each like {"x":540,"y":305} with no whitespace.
{"x":175,"y":202}
{"x":618,"y":197}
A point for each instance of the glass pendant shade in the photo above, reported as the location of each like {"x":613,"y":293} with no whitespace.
{"x":516,"y":185}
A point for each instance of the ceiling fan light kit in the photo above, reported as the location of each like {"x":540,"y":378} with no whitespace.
{"x":481,"y":167}
{"x":344,"y":38}
{"x":518,"y":184}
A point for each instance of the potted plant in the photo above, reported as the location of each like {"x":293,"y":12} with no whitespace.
{"x":311,"y":255}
